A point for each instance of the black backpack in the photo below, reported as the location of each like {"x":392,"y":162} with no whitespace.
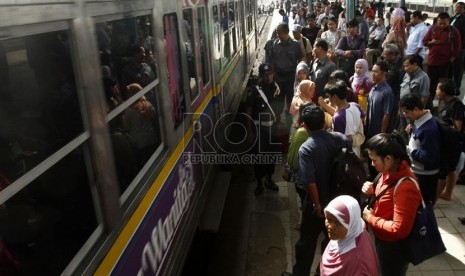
{"x":348,"y":172}
{"x":450,"y":145}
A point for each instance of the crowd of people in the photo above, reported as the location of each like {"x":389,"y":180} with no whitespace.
{"x":384,"y":79}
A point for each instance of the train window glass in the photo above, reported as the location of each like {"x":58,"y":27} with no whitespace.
{"x":217,"y":36}
{"x":128,"y":63}
{"x":189,"y":43}
{"x":127,"y":55}
{"x":226,"y":51}
{"x":39,"y":106}
{"x":178,"y":102}
{"x":250,"y":13}
{"x":44,"y":225}
{"x":232,"y":26}
{"x":239,"y":7}
{"x":202,"y":17}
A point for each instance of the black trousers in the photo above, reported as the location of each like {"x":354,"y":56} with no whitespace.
{"x":266,"y":144}
{"x":310,"y":229}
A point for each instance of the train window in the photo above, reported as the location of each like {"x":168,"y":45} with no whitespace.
{"x":189,"y":43}
{"x":232,"y":17}
{"x":128,"y":62}
{"x":250,"y":13}
{"x":45,"y":224}
{"x":202,"y":17}
{"x":178,"y":102}
{"x":39,"y":104}
{"x":217,"y":36}
{"x":225,"y":31}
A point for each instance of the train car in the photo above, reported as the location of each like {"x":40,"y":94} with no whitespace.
{"x":100,"y":107}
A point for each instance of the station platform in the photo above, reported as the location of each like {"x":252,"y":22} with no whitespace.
{"x":258,"y":234}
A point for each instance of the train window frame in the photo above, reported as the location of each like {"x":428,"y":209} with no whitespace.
{"x":173,"y":18}
{"x":80,"y":142}
{"x":23,"y":181}
{"x":202,"y":21}
{"x":190,"y":48}
{"x":137,"y":182}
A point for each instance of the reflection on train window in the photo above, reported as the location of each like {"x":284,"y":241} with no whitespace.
{"x":39,"y":106}
{"x":225,"y":29}
{"x":232,"y":17}
{"x":135,"y":135}
{"x":217,"y":35}
{"x":178,"y":102}
{"x":202,"y":17}
{"x":127,"y":55}
{"x":44,"y":225}
{"x":128,"y":63}
{"x":249,"y":14}
{"x":189,"y":43}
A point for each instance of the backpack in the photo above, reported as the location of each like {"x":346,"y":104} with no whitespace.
{"x":347,"y":171}
{"x":449,"y":145}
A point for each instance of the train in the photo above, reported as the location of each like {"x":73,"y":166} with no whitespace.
{"x":103,"y":106}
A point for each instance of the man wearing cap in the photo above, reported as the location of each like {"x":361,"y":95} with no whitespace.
{"x":458,"y":21}
{"x":285,"y":54}
{"x":304,"y":42}
{"x":311,"y":30}
{"x":261,"y":128}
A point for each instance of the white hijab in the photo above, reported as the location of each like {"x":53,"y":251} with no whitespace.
{"x":347,"y":211}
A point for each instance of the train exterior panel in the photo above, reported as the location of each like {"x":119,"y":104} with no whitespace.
{"x":105,"y":108}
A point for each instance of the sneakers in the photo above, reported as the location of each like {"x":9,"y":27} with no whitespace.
{"x":269,"y":184}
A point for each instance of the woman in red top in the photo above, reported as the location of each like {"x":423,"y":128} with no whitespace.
{"x":392,"y":216}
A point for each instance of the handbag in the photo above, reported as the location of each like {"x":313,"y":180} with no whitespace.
{"x":424,"y":241}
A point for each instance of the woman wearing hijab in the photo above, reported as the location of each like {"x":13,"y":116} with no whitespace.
{"x":361,"y":83}
{"x":397,"y":35}
{"x":350,"y":250}
{"x":301,"y":73}
{"x":304,"y":94}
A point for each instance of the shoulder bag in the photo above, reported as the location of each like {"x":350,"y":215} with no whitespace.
{"x":424,"y":241}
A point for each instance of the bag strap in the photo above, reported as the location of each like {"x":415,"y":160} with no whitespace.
{"x":265,"y":99}
{"x":416,"y":184}
{"x":370,"y":205}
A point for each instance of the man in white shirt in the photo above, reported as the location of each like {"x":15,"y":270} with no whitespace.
{"x":418,"y":30}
